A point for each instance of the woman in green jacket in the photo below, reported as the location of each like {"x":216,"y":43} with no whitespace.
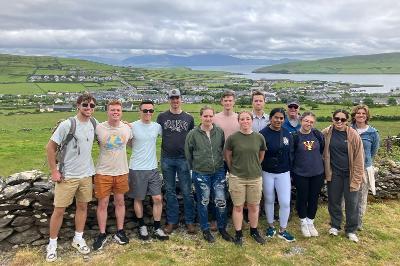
{"x":204,"y":151}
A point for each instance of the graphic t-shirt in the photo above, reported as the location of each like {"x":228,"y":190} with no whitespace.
{"x":245,"y":154}
{"x":112,"y":158}
{"x":78,"y":162}
{"x":144,"y":145}
{"x":174,"y":127}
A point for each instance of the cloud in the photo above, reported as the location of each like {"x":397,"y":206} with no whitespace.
{"x":265,"y":29}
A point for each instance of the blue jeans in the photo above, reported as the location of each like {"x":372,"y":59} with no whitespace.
{"x":206,"y":185}
{"x":170,"y":168}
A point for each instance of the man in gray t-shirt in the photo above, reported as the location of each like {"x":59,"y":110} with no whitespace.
{"x":76,"y":179}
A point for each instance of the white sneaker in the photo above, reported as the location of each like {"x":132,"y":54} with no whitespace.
{"x":352,"y":237}
{"x":81,"y":246}
{"x":333,"y":231}
{"x":51,"y":253}
{"x":313,"y":231}
{"x":304,"y":230}
{"x":143,"y":233}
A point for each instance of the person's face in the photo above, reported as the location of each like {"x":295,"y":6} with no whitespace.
{"x":207,"y":117}
{"x":146,"y":112}
{"x":361,"y":116}
{"x":307,"y":123}
{"x":293,"y":110}
{"x":245,"y":121}
{"x":258,"y":102}
{"x":114,"y":112}
{"x":228,"y":102}
{"x":175,"y":102}
{"x":277,"y":120}
{"x":86,"y":108}
{"x":339,"y":121}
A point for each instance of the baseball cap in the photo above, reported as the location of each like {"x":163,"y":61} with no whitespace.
{"x":174,"y":93}
{"x":293,"y":102}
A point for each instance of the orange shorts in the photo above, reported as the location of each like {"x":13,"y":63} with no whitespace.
{"x":105,"y":184}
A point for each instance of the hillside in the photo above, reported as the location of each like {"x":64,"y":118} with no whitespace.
{"x":388,"y":63}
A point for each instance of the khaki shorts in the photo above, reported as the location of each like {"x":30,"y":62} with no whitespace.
{"x":245,"y":190}
{"x":65,"y":191}
{"x":105,"y":184}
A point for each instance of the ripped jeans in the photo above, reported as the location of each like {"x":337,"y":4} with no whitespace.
{"x":203,"y":184}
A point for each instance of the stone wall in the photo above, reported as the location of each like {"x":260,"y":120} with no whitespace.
{"x":26,"y":204}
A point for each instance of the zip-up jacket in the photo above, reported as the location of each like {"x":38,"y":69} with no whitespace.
{"x":204,"y":154}
{"x":356,"y":157}
{"x":370,"y":139}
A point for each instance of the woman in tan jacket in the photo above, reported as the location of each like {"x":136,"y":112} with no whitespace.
{"x":344,"y":170}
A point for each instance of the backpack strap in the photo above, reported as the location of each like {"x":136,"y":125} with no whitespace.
{"x":320,"y":139}
{"x":94,"y":123}
{"x":295,"y":136}
{"x":64,"y":143}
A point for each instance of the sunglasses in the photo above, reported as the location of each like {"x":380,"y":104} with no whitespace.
{"x":92,"y":105}
{"x":337,"y":119}
{"x":293,"y":106}
{"x":148,"y":111}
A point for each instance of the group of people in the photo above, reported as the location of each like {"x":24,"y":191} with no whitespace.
{"x":262,"y":155}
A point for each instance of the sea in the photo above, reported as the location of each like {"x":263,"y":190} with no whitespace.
{"x":377,"y":83}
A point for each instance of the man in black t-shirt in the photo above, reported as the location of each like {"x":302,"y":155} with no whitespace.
{"x":175,"y":125}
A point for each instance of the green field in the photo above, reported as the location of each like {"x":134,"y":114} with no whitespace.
{"x":363,"y":64}
{"x":24,"y":150}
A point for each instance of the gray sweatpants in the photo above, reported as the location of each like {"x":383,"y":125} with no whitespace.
{"x":338,"y":187}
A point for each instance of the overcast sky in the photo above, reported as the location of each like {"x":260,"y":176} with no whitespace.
{"x":303,"y":29}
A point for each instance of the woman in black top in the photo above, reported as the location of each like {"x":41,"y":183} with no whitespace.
{"x":308,"y":171}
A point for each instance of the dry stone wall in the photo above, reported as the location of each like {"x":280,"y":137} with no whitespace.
{"x":26,"y":204}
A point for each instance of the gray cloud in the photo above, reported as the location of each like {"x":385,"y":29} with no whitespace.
{"x":269,"y":28}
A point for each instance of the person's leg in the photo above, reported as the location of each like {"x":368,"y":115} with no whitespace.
{"x":302,"y":194}
{"x":56,"y":221}
{"x":218,"y":184}
{"x":202,"y":185}
{"x":269,"y":196}
{"x":157,"y":207}
{"x":363,"y":198}
{"x":102,"y":205}
{"x":80,"y":216}
{"x":335,"y":195}
{"x":185,"y":183}
{"x":283,"y":189}
{"x":351,"y":207}
{"x":169,"y":168}
{"x":119,"y":203}
{"x":315,"y":185}
{"x":254,"y":210}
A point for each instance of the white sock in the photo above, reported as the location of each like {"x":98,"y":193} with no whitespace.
{"x":78,"y":236}
{"x":303,"y":221}
{"x":53,"y":242}
{"x":310,"y":221}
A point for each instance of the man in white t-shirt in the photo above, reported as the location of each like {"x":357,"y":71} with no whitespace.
{"x":144,"y":178}
{"x":76,"y":177}
{"x":112,"y":172}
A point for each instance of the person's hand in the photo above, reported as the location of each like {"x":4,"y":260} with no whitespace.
{"x":56,"y":176}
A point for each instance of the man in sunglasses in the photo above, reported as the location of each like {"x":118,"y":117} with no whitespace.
{"x":112,"y":172}
{"x":176,"y":124}
{"x":292,"y":121}
{"x":76,"y":177}
{"x":144,"y":178}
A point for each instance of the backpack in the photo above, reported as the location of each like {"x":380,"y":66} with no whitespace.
{"x":316,"y":133}
{"x":62,"y":148}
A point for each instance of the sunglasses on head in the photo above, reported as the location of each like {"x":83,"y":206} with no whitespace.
{"x":337,"y":119}
{"x":293,"y":106}
{"x":92,"y":105}
{"x":148,"y":111}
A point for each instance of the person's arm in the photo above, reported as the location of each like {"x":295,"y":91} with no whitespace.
{"x":358,"y":164}
{"x":189,"y":150}
{"x":51,"y":149}
{"x":375,"y":145}
{"x":261,"y":155}
{"x":228,"y":158}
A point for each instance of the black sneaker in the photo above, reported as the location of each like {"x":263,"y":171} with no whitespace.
{"x":225,"y":235}
{"x":258,"y":238}
{"x":208,"y":236}
{"x":160,"y":235}
{"x":99,"y":242}
{"x":121,"y":237}
{"x":238,"y":240}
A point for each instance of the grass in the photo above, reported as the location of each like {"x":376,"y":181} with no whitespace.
{"x":379,"y":245}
